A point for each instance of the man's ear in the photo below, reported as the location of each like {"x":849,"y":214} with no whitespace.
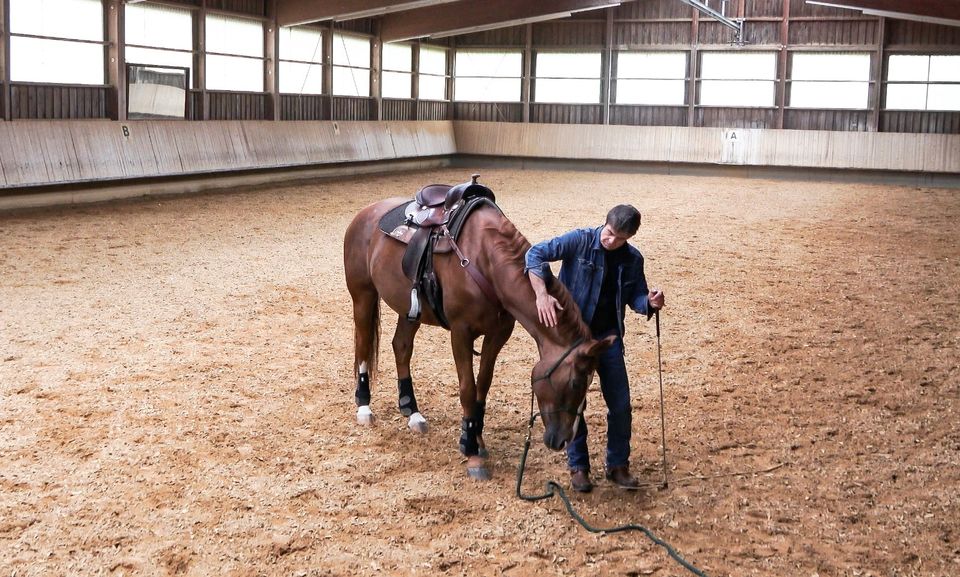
{"x":548,"y":278}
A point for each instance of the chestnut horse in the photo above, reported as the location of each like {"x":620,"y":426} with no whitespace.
{"x":372,"y":264}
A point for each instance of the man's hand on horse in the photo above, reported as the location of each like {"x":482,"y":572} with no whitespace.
{"x":547,"y":308}
{"x":656,"y":299}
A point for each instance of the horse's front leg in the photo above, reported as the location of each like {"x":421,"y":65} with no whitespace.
{"x":402,"y":352}
{"x":462,"y":341}
{"x":492,"y":344}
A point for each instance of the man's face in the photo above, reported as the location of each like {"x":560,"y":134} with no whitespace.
{"x":611,"y":239}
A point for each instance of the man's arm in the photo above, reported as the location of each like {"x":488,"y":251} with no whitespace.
{"x":540,"y":255}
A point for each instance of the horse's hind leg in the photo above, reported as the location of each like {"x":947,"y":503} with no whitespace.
{"x":403,"y":351}
{"x":366,"y":337}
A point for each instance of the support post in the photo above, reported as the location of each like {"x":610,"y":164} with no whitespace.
{"x":526,"y":82}
{"x":116,"y":66}
{"x":608,"y":70}
{"x":5,"y":59}
{"x":877,"y":73}
{"x":271,"y":62}
{"x":782,"y":64}
{"x":415,"y":79}
{"x":694,"y":69}
{"x":200,"y":62}
{"x":327,"y":86}
{"x":376,"y":71}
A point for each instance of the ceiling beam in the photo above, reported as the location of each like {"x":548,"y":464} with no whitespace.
{"x":935,"y":11}
{"x":475,"y":15}
{"x":293,"y":12}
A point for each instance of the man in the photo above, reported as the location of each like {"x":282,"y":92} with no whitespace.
{"x":604,"y":274}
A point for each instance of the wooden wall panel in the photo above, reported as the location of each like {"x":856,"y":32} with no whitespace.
{"x":304,"y":107}
{"x":236,"y":105}
{"x":433,"y":110}
{"x":58,"y":101}
{"x":59,"y":152}
{"x":512,"y":36}
{"x":736,"y":117}
{"x":800,"y":8}
{"x":629,"y":34}
{"x":907,"y":33}
{"x":763,"y":9}
{"x":251,"y":7}
{"x":846,"y":120}
{"x":920,"y":121}
{"x":353,"y":108}
{"x":855,"y":32}
{"x":648,"y":115}
{"x":581,"y":34}
{"x":567,"y":113}
{"x":357,"y":26}
{"x":493,"y":111}
{"x":652,"y":10}
{"x":935,"y":153}
{"x":398,"y":109}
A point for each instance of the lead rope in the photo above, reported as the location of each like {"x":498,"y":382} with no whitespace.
{"x":554,"y":489}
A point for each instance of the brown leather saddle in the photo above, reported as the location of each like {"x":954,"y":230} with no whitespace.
{"x":430,"y":224}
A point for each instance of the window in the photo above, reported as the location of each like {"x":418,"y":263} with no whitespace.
{"x":159,"y":35}
{"x":71,"y":50}
{"x":351,"y":65}
{"x":738,"y":78}
{"x":301,"y":60}
{"x":234,"y":54}
{"x":653,"y":78}
{"x":433,"y":73}
{"x":397,"y":70}
{"x":923,"y":82}
{"x":568,"y":77}
{"x":487,"y":76}
{"x":830,"y":80}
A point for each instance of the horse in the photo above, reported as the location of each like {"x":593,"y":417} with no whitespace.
{"x":491,"y":243}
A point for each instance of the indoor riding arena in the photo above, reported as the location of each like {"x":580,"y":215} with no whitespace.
{"x":177,"y":363}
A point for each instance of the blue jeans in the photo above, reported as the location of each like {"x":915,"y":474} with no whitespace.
{"x":616,"y":393}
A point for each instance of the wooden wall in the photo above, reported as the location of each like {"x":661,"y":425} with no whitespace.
{"x":928,"y":153}
{"x":60,"y":152}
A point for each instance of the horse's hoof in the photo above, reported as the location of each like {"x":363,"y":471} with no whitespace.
{"x":417,"y":423}
{"x":479,"y":473}
{"x":364,"y":415}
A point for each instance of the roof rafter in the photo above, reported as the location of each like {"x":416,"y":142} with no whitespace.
{"x":293,"y":12}
{"x":934,"y":11}
{"x":475,"y":15}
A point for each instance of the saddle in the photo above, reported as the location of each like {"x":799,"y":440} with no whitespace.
{"x":430,"y":224}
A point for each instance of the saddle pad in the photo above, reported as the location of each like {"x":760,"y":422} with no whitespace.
{"x":394,"y":218}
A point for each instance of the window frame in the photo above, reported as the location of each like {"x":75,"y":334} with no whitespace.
{"x":518,"y":79}
{"x":791,"y":81}
{"x":771,"y":82}
{"x":617,"y":77}
{"x":925,"y":83}
{"x":535,"y":77}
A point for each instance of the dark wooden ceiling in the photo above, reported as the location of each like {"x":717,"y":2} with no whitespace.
{"x":407,"y":19}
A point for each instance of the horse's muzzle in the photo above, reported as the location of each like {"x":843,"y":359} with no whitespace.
{"x":555,"y":441}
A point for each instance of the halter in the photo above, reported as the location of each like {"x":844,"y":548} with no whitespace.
{"x":556,"y":365}
{"x":579,"y":411}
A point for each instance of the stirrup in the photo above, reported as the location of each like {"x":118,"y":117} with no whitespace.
{"x":414,"y":314}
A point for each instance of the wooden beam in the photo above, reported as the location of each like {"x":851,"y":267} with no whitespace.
{"x":475,"y":15}
{"x":116,"y":72}
{"x":293,"y":12}
{"x":936,"y":11}
{"x":271,"y":63}
{"x":5,"y":59}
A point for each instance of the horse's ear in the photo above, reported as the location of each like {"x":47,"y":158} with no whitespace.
{"x":547,"y":275}
{"x":597,"y":347}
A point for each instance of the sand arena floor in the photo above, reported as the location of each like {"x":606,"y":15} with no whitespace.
{"x":176,"y":390}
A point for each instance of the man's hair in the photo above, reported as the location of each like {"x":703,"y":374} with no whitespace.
{"x":624,"y":218}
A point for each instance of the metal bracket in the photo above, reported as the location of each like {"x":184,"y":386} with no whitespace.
{"x":735,"y":24}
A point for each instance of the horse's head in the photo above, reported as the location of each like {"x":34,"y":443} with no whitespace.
{"x":560,"y":383}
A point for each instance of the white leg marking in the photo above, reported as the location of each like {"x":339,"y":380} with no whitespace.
{"x":363,"y":367}
{"x":417,"y":423}
{"x":364,"y":415}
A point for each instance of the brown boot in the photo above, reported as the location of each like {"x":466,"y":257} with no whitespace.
{"x":580,"y":481}
{"x":622,"y":478}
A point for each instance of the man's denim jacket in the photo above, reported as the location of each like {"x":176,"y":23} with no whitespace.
{"x":583,"y":258}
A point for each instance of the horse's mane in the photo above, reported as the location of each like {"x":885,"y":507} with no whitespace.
{"x":514,"y":246}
